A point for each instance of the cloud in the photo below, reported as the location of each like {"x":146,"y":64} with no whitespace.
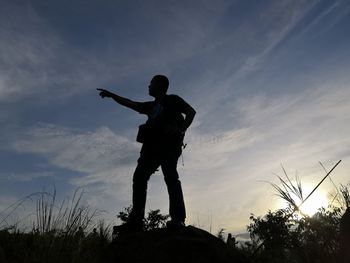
{"x":236,"y":58}
{"x":28,"y":52}
{"x":211,"y":151}
{"x":24,"y":177}
{"x":87,"y":152}
{"x":333,"y":13}
{"x":104,"y":160}
{"x":36,"y":60}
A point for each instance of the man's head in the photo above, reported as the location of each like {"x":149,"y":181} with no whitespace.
{"x":158,"y":86}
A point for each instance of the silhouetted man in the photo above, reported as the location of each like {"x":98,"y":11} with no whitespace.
{"x":162,"y":139}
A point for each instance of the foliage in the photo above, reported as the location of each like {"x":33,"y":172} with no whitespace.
{"x":125,"y":215}
{"x":153,"y":220}
{"x":221,"y":234}
{"x":319,"y":233}
{"x":296,"y":239}
{"x":274,"y":230}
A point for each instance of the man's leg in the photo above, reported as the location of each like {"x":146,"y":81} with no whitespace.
{"x":176,"y":201}
{"x":146,"y":166}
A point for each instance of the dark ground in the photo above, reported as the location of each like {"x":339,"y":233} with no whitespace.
{"x":188,"y":244}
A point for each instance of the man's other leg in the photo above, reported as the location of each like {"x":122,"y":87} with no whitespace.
{"x":145,"y":168}
{"x":176,"y":201}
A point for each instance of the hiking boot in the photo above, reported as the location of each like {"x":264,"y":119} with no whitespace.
{"x":175,"y":224}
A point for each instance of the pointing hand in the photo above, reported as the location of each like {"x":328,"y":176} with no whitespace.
{"x":105,"y":93}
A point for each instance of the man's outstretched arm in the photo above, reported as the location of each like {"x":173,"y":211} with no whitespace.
{"x":119,"y":99}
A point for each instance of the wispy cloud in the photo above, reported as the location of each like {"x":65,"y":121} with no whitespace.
{"x":36,"y":60}
{"x":336,"y":11}
{"x":86,"y":152}
{"x":24,"y":177}
{"x":104,"y":160}
{"x":247,"y":50}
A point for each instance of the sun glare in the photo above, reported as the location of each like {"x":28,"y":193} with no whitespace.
{"x":316,"y":201}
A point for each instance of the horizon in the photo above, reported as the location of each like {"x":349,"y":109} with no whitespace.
{"x":269,"y":82}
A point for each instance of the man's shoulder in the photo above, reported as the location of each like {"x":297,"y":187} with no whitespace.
{"x":175,"y":98}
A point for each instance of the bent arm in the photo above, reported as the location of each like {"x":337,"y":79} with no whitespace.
{"x":189,"y":116}
{"x":119,"y":99}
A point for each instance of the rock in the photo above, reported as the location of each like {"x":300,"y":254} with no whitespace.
{"x":344,"y":236}
{"x":187,"y":244}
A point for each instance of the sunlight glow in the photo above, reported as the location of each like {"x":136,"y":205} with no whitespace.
{"x":316,"y":201}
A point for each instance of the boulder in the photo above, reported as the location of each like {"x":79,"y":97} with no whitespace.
{"x":186,"y":244}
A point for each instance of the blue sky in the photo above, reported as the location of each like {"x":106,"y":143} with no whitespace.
{"x":269,"y":80}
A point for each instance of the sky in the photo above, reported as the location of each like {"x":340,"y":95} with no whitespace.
{"x":269,"y":81}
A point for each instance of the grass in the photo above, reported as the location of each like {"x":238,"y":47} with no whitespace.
{"x":64,"y":232}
